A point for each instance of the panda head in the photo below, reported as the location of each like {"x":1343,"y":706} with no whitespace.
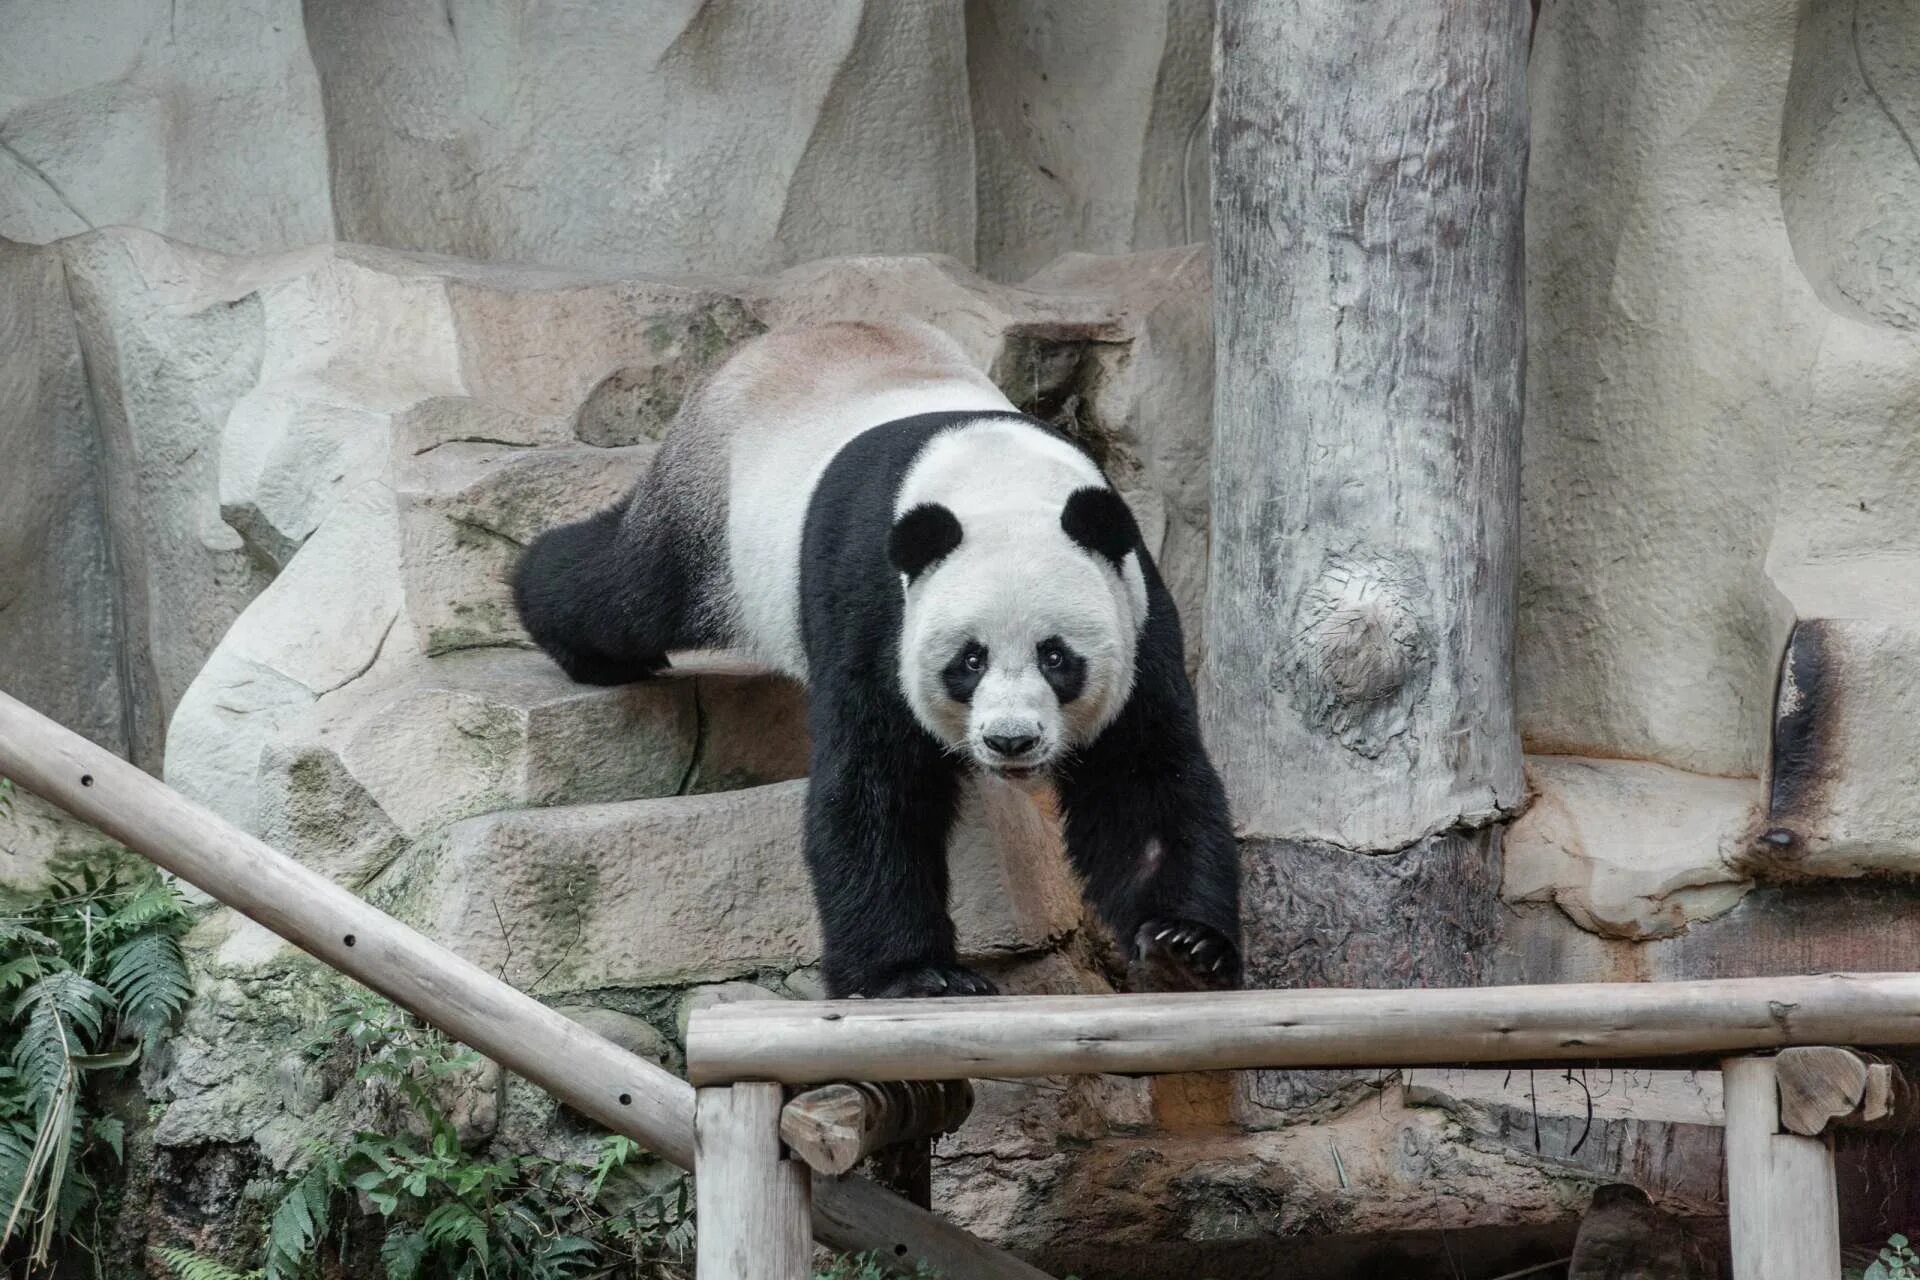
{"x":1019,"y":634}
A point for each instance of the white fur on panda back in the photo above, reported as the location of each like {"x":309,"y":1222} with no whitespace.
{"x":790,"y":401}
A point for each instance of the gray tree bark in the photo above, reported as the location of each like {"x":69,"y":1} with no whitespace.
{"x":1368,"y":166}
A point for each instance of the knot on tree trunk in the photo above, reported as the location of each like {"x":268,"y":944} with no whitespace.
{"x":1362,"y":652}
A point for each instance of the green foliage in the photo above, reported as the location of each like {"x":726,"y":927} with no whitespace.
{"x":90,"y":972}
{"x":1897,"y":1261}
{"x":188,"y":1265}
{"x":444,"y":1213}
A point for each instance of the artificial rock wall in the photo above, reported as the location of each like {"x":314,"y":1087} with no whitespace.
{"x":265,"y":457}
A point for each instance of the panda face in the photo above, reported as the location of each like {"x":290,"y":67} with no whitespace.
{"x":1017,"y":647}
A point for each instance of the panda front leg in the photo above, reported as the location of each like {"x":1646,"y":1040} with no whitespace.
{"x":1147,"y":828}
{"x":880,"y":805}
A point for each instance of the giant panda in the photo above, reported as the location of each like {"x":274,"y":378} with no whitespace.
{"x":959,"y":588}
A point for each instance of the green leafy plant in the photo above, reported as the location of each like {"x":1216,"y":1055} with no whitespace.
{"x":441,"y":1212}
{"x":90,"y":974}
{"x":1897,"y":1261}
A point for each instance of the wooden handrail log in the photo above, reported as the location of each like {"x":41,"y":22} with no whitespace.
{"x":814,"y":1042}
{"x":834,"y":1127}
{"x":623,"y":1091}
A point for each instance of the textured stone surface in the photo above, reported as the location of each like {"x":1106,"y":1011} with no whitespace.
{"x":690,"y":889}
{"x":1629,"y":849}
{"x":1848,"y":157}
{"x":1723,"y":362}
{"x":201,"y":121}
{"x":665,"y":137}
{"x":1090,"y":127}
{"x":58,"y":650}
{"x":1843,"y":794}
{"x":669,"y":136}
{"x":380,"y":762}
{"x":323,"y":623}
{"x":172,"y":338}
{"x":466,"y":512}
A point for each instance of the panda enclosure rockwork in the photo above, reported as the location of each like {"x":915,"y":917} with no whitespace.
{"x":260,"y":506}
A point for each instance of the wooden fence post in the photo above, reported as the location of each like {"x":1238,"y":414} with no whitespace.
{"x":1783,"y":1208}
{"x":752,"y":1204}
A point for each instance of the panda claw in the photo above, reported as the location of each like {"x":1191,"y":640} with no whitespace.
{"x":934,"y":981}
{"x":1185,"y":954}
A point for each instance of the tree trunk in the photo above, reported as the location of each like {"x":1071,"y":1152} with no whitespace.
{"x":1369,"y":161}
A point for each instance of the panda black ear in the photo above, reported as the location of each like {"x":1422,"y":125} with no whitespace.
{"x":923,"y":535}
{"x":1098,"y":520}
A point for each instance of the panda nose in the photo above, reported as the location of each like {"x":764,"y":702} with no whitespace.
{"x":1011,"y":744}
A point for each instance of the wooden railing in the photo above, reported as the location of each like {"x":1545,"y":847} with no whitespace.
{"x":760,"y":1205}
{"x":1782,"y":1203}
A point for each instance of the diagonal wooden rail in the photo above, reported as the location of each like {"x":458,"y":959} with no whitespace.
{"x":626,"y":1093}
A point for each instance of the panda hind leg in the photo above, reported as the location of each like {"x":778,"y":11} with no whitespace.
{"x":607,"y":605}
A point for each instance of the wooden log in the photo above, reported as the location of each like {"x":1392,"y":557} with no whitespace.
{"x":1369,"y":311}
{"x":1818,"y":1084}
{"x":750,"y":1200}
{"x":1369,"y":163}
{"x":1783,"y":1206}
{"x":807,"y":1043}
{"x":1823,"y":1088}
{"x":836,"y":1126}
{"x":628,"y":1094}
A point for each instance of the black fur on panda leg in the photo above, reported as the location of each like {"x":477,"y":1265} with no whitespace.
{"x":1147,"y":824}
{"x":604,"y":604}
{"x":876,"y":844}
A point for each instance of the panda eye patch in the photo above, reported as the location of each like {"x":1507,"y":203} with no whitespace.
{"x":1064,"y":670}
{"x":963,"y":672}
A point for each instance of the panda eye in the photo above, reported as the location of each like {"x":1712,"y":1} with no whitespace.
{"x":1051,"y":657}
{"x":975,"y":658}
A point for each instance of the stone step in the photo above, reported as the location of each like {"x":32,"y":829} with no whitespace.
{"x":345,"y":784}
{"x":698,"y":888}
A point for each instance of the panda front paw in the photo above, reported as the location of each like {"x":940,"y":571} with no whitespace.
{"x":1185,"y":955}
{"x":922,"y":980}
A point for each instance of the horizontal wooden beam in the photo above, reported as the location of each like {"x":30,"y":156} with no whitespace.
{"x":836,"y":1126}
{"x":1002,"y":1036}
{"x":623,"y":1091}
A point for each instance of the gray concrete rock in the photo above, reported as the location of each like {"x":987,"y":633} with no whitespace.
{"x":324,"y":623}
{"x":173,"y":338}
{"x":738,"y":139}
{"x":347,"y":783}
{"x":58,"y":651}
{"x":635,"y":1035}
{"x":1629,"y":849}
{"x":642,"y":894}
{"x":467,"y":510}
{"x":700,"y":888}
{"x":201,"y":121}
{"x":1089,"y":126}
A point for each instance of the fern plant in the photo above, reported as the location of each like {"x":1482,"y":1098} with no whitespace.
{"x":90,"y":973}
{"x":443,"y":1213}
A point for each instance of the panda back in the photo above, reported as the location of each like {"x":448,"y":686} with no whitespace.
{"x":783,"y":409}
